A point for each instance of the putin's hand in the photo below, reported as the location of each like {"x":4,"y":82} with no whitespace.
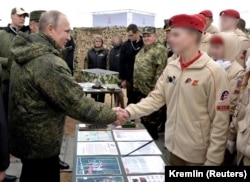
{"x":121,"y":116}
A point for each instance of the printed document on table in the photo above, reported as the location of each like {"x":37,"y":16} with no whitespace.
{"x":127,"y":147}
{"x":147,"y":178}
{"x":92,"y":165}
{"x":96,"y":148}
{"x":143,"y":164}
{"x":132,"y":135}
{"x":91,"y":136}
{"x":100,"y":179}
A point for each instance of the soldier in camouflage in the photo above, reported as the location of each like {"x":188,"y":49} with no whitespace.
{"x":149,"y":65}
{"x":42,"y":93}
{"x":149,"y":62}
{"x":34,"y":20}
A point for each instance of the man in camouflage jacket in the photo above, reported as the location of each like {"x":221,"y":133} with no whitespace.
{"x":42,"y":92}
{"x":149,"y":65}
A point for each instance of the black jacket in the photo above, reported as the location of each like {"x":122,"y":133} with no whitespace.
{"x":97,"y":58}
{"x":24,"y":29}
{"x":70,"y":54}
{"x":127,"y":58}
{"x":114,"y":59}
{"x":4,"y":147}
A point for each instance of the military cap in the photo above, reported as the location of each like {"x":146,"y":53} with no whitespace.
{"x":187,"y":21}
{"x":19,"y":11}
{"x":230,"y":13}
{"x":207,"y":13}
{"x":148,"y":30}
{"x":35,"y":15}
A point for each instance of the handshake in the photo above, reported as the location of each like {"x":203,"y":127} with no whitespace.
{"x":122,"y":116}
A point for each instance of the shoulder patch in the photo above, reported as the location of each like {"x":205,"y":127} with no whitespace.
{"x":224,"y":96}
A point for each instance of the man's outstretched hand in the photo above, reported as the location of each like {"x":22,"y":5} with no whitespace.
{"x":121,"y":116}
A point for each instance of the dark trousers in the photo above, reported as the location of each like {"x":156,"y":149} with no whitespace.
{"x":5,"y":93}
{"x":130,"y":93}
{"x":98,"y":97}
{"x":40,"y":170}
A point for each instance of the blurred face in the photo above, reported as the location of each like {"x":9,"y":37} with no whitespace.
{"x":116,"y":41}
{"x":34,"y":26}
{"x":97,"y":43}
{"x":181,"y":39}
{"x":149,"y":39}
{"x":133,"y":36}
{"x":167,"y":34}
{"x":216,"y":51}
{"x":61,"y":33}
{"x":208,"y":22}
{"x":18,"y":20}
{"x":228,"y":23}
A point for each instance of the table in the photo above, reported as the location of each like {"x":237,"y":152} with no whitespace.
{"x":87,"y":89}
{"x":113,"y":154}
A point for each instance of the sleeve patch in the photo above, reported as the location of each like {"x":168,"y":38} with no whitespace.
{"x":224,"y":96}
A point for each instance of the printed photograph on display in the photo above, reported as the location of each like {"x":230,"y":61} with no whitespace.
{"x":97,"y":166}
{"x":100,"y":179}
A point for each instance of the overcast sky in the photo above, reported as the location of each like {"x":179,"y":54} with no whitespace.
{"x":79,"y":11}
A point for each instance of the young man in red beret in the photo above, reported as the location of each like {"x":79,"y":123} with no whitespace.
{"x":209,"y":28}
{"x":229,"y":20}
{"x":195,"y":89}
{"x":204,"y":45}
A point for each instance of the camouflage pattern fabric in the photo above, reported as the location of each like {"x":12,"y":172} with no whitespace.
{"x":105,"y":77}
{"x":148,"y":30}
{"x":149,"y":64}
{"x":5,"y":55}
{"x":42,"y":92}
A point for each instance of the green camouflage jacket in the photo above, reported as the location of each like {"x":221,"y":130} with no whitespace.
{"x":42,"y":92}
{"x":149,"y":64}
{"x":5,"y":55}
{"x":6,"y":37}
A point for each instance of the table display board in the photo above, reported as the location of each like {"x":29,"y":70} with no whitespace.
{"x":117,"y":155}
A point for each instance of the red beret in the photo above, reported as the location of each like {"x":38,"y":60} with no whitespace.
{"x":187,"y":21}
{"x":216,"y":40}
{"x":207,"y":13}
{"x":231,"y":13}
{"x":202,"y":17}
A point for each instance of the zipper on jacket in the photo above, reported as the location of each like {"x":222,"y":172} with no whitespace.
{"x":96,"y":61}
{"x":176,"y":107}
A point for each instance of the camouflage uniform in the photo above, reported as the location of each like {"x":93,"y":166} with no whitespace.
{"x":42,"y":92}
{"x":149,"y":65}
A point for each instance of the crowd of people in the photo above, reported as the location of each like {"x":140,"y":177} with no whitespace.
{"x":194,"y":85}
